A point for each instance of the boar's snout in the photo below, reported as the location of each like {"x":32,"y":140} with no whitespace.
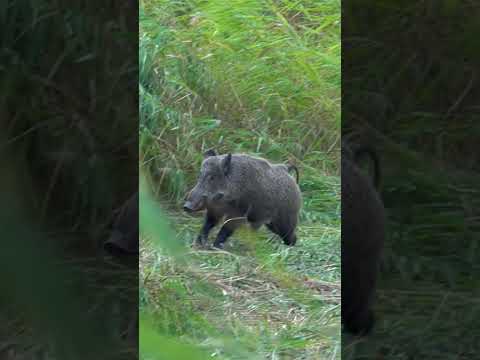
{"x":188,"y":207}
{"x":193,"y":205}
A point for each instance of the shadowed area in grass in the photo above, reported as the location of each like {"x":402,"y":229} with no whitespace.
{"x":411,"y":88}
{"x":68,"y":160}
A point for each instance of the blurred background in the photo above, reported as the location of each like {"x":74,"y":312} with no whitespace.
{"x":68,"y":161}
{"x":410,"y":88}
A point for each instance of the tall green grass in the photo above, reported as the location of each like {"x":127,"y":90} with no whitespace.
{"x":66,"y":129}
{"x":412,"y":78}
{"x":261,"y":77}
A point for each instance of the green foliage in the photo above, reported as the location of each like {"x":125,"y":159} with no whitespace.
{"x":411,"y":78}
{"x":65,"y":128}
{"x":151,"y":342}
{"x":261,"y":77}
{"x":243,"y":76}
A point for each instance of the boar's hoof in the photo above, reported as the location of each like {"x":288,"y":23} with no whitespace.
{"x":196,"y":245}
{"x":360,"y":325}
{"x":199,"y":242}
{"x":290,"y":240}
{"x":218,"y":246}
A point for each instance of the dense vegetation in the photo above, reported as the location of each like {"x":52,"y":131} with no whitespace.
{"x":261,"y":77}
{"x":68,"y":159}
{"x":411,"y":87}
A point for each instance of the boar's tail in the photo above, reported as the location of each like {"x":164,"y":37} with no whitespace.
{"x":365,"y":150}
{"x":291,"y":167}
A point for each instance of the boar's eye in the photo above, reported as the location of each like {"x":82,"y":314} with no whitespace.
{"x":210,"y":177}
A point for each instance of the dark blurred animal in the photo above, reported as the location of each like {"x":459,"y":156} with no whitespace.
{"x":363,"y":233}
{"x":357,"y":152}
{"x":123,"y":245}
{"x":125,"y":232}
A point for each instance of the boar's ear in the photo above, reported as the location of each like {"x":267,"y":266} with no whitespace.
{"x":227,"y":164}
{"x":209,"y":152}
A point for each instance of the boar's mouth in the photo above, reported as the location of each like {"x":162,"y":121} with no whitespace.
{"x":191,"y":207}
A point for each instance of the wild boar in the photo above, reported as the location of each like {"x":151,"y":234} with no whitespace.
{"x":124,"y":238}
{"x":355,"y":153}
{"x":245,"y":189}
{"x":363,"y":233}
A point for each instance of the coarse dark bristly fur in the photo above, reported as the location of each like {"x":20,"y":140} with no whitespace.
{"x":363,"y":233}
{"x":242,"y":188}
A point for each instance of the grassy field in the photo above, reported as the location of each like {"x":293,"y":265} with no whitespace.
{"x":261,"y":77}
{"x":67,"y":127}
{"x":416,"y":85}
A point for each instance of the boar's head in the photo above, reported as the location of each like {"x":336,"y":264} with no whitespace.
{"x":212,"y":184}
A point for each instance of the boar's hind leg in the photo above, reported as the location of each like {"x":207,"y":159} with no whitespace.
{"x":225,"y":232}
{"x":357,"y":290}
{"x":285,"y":228}
{"x":208,"y":224}
{"x":358,"y":321}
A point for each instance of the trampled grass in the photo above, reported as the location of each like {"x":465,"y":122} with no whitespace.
{"x":256,"y":299}
{"x":261,"y":77}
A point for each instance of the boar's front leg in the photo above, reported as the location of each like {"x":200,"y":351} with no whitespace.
{"x":225,"y":232}
{"x":209,"y":223}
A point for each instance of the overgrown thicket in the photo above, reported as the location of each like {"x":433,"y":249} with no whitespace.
{"x":256,"y":76}
{"x":411,"y":85}
{"x":261,"y":77}
{"x":67,"y":125}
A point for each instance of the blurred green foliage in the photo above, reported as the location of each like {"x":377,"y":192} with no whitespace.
{"x":411,"y":88}
{"x":66,"y":129}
